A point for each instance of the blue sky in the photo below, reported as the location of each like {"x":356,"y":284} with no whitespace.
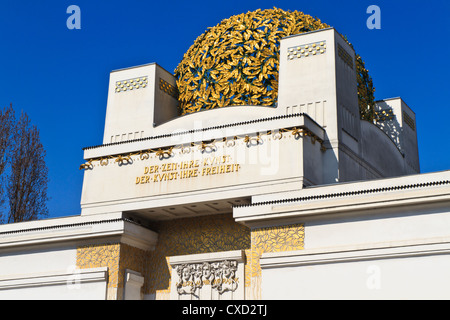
{"x":60,"y":76}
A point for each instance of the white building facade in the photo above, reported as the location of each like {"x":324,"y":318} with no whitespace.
{"x":299,"y":201}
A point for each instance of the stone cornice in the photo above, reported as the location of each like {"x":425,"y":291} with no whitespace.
{"x":192,"y":131}
{"x":392,"y":250}
{"x":346,"y":194}
{"x":75,"y":229}
{"x":221,"y":132}
{"x":66,"y":278}
{"x":349,"y":199}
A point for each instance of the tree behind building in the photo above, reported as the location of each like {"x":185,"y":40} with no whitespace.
{"x":23,"y":172}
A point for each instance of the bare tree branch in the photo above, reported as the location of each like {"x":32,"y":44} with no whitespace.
{"x":6,"y":128}
{"x":23,"y":172}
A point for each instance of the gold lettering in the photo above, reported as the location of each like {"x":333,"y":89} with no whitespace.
{"x":187,"y":169}
{"x":151,"y":169}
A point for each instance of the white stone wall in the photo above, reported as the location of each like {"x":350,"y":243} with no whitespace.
{"x":388,"y":239}
{"x":69,"y":284}
{"x":405,"y":272}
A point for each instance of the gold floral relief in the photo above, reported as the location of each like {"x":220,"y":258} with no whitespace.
{"x":134,"y":259}
{"x":190,"y":236}
{"x":204,"y":234}
{"x":279,"y":238}
{"x":236,"y":62}
{"x":101,"y":255}
{"x":274,"y":239}
{"x":117,"y":257}
{"x":252,"y":267}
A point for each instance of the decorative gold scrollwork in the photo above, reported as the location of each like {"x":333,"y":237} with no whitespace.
{"x":207,"y":146}
{"x":162,"y":153}
{"x":143,"y":155}
{"x":185,"y":149}
{"x":249,"y":140}
{"x":204,"y":146}
{"x":87,"y":165}
{"x":231,"y":143}
{"x":277,"y":135}
{"x":298,"y":132}
{"x":123,"y":159}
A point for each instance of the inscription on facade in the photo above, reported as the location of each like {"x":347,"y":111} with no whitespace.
{"x":188,"y":169}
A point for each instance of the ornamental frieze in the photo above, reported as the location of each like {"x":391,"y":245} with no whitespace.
{"x":221,"y":276}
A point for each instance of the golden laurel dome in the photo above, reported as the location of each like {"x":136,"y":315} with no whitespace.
{"x":236,"y":62}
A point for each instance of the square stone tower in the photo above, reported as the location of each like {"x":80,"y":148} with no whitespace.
{"x":318,"y":76}
{"x":139,"y":98}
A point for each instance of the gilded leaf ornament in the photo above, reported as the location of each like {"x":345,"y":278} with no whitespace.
{"x":237,"y":62}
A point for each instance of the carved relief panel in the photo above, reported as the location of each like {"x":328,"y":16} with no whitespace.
{"x":209,"y":276}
